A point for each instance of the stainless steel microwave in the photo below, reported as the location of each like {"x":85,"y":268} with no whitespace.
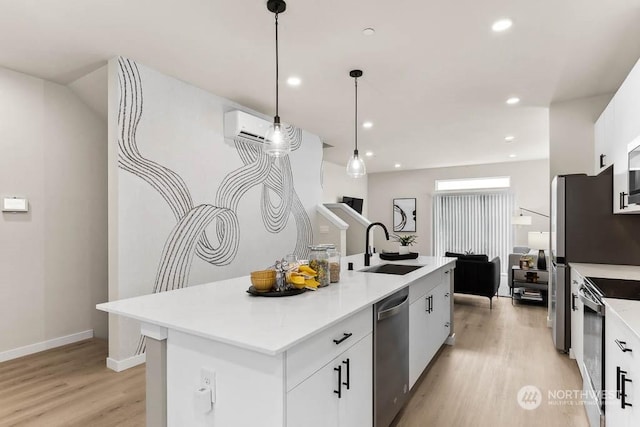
{"x":634,"y":171}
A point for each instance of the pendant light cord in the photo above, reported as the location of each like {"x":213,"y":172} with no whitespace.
{"x":356,"y":121}
{"x":277,"y":70}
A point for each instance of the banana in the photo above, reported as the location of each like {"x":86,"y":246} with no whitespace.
{"x":307,"y":270}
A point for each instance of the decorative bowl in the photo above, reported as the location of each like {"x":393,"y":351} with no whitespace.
{"x":263,"y":280}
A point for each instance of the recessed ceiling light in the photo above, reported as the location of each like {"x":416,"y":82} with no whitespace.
{"x":509,"y":138}
{"x":369,"y":153}
{"x":368,"y":31}
{"x":501,"y":25}
{"x":513,"y":100}
{"x":397,"y":165}
{"x":512,"y":155}
{"x":367,"y":125}
{"x":294,"y":81}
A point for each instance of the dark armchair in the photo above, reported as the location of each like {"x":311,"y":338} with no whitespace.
{"x":476,"y":275}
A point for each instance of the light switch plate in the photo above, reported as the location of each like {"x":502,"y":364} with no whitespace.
{"x":15,"y":204}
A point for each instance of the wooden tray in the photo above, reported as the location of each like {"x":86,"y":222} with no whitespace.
{"x":287,"y":293}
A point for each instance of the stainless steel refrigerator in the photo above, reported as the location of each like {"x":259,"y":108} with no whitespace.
{"x":584,"y":229}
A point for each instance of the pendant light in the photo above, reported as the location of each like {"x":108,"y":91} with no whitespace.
{"x":355,"y":167}
{"x":276,"y":140}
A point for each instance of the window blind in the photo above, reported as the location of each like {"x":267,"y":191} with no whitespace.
{"x":476,"y":222}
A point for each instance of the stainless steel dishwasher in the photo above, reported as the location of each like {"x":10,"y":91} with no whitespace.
{"x":390,"y":357}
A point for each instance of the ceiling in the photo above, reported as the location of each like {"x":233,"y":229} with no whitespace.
{"x":435,"y":76}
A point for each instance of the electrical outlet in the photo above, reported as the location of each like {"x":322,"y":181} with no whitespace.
{"x":208,"y":379}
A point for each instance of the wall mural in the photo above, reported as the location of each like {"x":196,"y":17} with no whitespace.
{"x":189,"y":237}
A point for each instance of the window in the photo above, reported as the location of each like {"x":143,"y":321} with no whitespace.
{"x":473,"y":183}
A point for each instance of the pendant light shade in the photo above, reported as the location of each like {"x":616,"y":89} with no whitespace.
{"x":356,"y":167}
{"x":276,"y":140}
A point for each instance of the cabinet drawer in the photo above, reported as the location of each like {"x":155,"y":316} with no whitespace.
{"x":309,"y":356}
{"x":425,"y":284}
{"x":623,"y":342}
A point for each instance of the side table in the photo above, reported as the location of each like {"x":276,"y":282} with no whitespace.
{"x":530,"y":284}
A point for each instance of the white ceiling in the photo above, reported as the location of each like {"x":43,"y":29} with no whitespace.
{"x":435,"y":75}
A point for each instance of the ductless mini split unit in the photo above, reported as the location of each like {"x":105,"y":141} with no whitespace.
{"x":245,"y":127}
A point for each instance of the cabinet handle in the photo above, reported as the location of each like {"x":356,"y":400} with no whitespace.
{"x":339,"y":390}
{"x":345,"y":336}
{"x":346,"y":362}
{"x":623,"y":393}
{"x":622,"y":196}
{"x":573,"y":302}
{"x":618,"y":372}
{"x":602,"y":163}
{"x":623,"y":346}
{"x":429,"y":303}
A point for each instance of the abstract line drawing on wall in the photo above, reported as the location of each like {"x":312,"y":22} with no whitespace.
{"x":404,"y":214}
{"x":188,"y":237}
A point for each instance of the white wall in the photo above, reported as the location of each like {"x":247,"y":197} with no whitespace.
{"x":571,"y":136}
{"x":529,"y":183}
{"x":175,"y":179}
{"x":336,"y":183}
{"x":54,"y":258}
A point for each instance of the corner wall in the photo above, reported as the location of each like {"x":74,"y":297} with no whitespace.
{"x":571,"y":134}
{"x":54,"y":258}
{"x":336,"y":183}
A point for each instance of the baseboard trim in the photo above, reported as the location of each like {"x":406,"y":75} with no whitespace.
{"x":45,"y":345}
{"x":451,"y":339}
{"x":130,"y":362}
{"x":549,"y":322}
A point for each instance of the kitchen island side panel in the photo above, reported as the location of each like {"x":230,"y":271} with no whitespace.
{"x":249,"y":387}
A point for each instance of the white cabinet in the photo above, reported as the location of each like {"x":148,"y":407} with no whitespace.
{"x":604,"y":139}
{"x":339,"y":394}
{"x":622,"y":373}
{"x":577,"y":320}
{"x":429,"y":324}
{"x":330,"y":376}
{"x":617,"y":126}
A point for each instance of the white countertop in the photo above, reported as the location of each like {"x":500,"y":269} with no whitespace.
{"x":223,"y":311}
{"x":627,"y":310}
{"x":630,"y":272}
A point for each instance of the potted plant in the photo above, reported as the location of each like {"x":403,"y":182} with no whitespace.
{"x":405,"y":241}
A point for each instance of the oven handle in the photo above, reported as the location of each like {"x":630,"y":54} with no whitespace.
{"x":589,"y":302}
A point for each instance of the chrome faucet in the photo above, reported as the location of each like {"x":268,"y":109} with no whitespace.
{"x":367,"y":255}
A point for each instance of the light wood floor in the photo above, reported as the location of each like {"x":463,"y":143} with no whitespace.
{"x":71,"y":386}
{"x":474,"y":383}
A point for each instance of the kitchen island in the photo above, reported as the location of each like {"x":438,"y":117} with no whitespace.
{"x":273,"y":361}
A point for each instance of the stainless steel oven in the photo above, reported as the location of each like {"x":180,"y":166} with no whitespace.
{"x":593,"y":352}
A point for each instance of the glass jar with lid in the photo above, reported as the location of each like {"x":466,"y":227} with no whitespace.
{"x":319,"y":261}
{"x":334,"y":263}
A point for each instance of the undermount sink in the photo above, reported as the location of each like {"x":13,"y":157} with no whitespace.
{"x":398,"y":269}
